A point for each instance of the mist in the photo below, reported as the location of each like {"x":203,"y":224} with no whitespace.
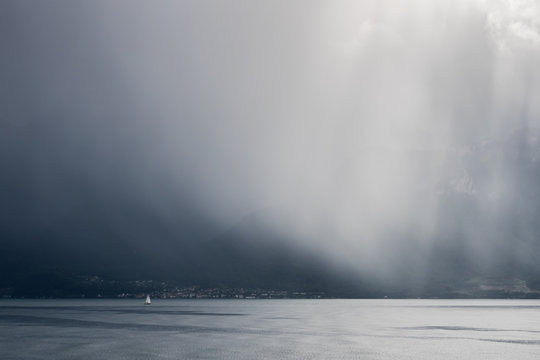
{"x":381,"y":136}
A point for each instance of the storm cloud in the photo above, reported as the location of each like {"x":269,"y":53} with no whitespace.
{"x":364,"y":131}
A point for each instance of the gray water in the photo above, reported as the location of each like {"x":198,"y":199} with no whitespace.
{"x":270,"y":329}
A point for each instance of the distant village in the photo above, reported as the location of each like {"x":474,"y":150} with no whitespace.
{"x":93,"y":286}
{"x":163,"y":290}
{"x":194,"y":292}
{"x":97,"y":287}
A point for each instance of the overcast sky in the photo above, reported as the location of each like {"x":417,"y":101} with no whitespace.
{"x":343,"y":117}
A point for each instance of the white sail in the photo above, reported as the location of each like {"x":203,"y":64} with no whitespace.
{"x":147,"y":301}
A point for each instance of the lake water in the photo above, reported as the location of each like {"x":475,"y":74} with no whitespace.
{"x":270,"y":329}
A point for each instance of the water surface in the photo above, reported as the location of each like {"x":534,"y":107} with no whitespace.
{"x":270,"y":329}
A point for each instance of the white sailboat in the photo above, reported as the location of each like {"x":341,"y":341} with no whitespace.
{"x":147,"y":301}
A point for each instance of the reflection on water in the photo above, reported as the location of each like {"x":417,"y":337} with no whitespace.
{"x":270,"y":329}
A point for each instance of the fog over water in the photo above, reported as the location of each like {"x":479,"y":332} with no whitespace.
{"x":363,"y":131}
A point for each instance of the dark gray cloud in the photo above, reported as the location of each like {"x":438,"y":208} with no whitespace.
{"x":363,"y":130}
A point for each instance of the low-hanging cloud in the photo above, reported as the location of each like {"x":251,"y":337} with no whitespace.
{"x":354,"y":120}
